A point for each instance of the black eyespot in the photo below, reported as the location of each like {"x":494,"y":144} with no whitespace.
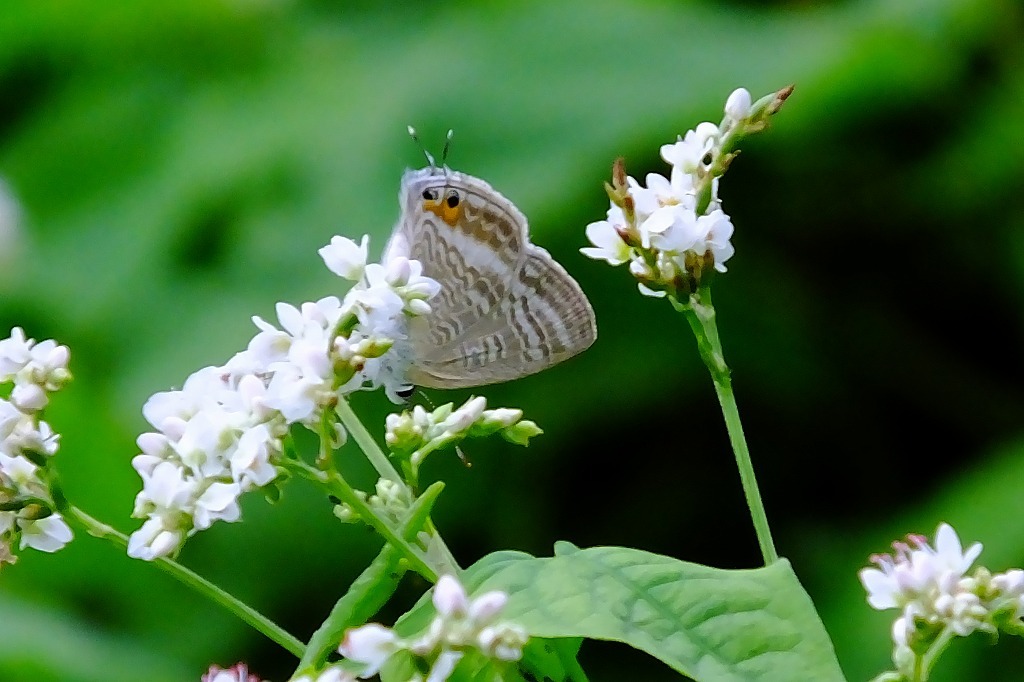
{"x":452,"y":200}
{"x":707,"y":159}
{"x":430,"y":194}
{"x":405,"y":392}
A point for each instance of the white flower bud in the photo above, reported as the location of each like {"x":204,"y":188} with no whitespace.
{"x":153,"y":445}
{"x":449,"y":597}
{"x":1010,"y":583}
{"x":487,"y":606}
{"x":29,"y":397}
{"x":418,"y":306}
{"x":370,"y":645}
{"x":464,"y":417}
{"x":737,"y":106}
{"x":502,"y":417}
{"x":398,"y":271}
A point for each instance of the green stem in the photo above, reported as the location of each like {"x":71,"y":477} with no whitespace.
{"x":923,"y":667}
{"x":336,"y":485}
{"x":372,"y":589}
{"x":700,"y":313}
{"x":201,"y":585}
{"x":383,"y":465}
{"x":365,"y":441}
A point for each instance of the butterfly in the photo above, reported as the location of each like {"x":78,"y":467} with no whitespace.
{"x":506,"y":309}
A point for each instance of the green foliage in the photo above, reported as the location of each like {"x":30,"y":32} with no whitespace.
{"x":711,"y":624}
{"x":179,"y":163}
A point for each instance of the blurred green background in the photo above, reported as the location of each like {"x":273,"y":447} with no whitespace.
{"x":176,"y":166}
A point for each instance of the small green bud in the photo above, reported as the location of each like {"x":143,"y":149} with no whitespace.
{"x":521,"y":432}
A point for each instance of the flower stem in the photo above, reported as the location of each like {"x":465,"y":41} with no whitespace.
{"x":365,"y":441}
{"x":700,"y":313}
{"x":201,"y":585}
{"x":925,"y":663}
{"x":336,"y":485}
{"x":350,"y":420}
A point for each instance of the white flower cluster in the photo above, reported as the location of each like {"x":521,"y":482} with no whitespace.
{"x":412,"y":435}
{"x":420,"y":431}
{"x":674,"y":230}
{"x":934,"y":593}
{"x":462,"y":625}
{"x":30,"y":372}
{"x":220,"y":435}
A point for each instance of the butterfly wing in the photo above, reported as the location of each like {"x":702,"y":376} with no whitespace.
{"x":469,"y":238}
{"x":543,"y":319}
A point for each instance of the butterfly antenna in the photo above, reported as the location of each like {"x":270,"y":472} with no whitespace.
{"x":430,"y":157}
{"x":426,"y":399}
{"x":447,"y":147}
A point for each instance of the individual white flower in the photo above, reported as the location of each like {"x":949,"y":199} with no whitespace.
{"x":15,"y":353}
{"x":948,"y":553}
{"x":32,"y":436}
{"x":251,"y":461}
{"x":401,"y":277}
{"x":672,"y":230}
{"x":370,"y":645}
{"x":715,"y":230}
{"x":690,"y":153}
{"x":661,"y":192}
{"x":297,"y":394}
{"x":219,"y":502}
{"x":169,"y":411}
{"x":22,"y":474}
{"x":608,"y":243}
{"x":345,"y":258}
{"x":898,"y":579}
{"x":167,"y":499}
{"x":10,"y":417}
{"x":48,"y":534}
{"x":156,"y":538}
{"x":737,"y":106}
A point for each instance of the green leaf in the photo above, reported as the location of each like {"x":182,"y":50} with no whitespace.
{"x":712,"y":624}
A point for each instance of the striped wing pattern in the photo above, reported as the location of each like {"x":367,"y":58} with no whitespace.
{"x":506,"y":309}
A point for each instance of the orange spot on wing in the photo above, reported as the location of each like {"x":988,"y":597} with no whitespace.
{"x":443,"y":211}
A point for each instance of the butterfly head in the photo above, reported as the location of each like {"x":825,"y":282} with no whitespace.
{"x":444,"y":202}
